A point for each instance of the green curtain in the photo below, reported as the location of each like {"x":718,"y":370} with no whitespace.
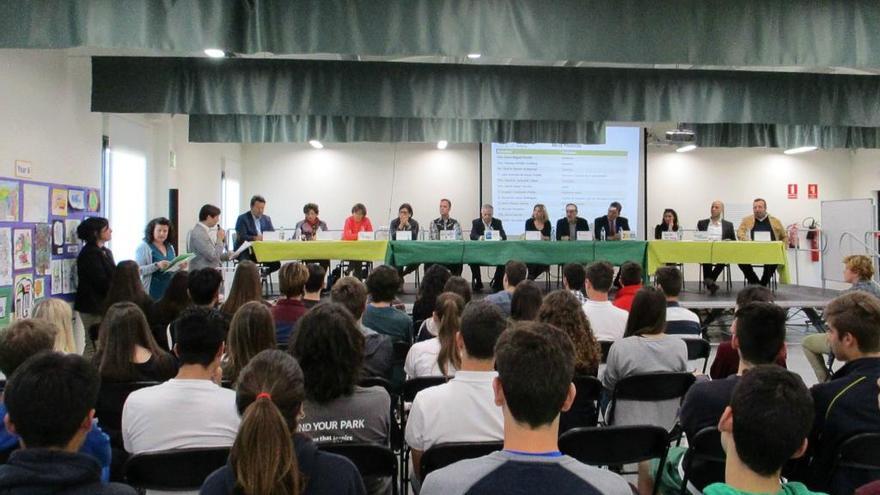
{"x":720,"y":33}
{"x":784,"y":136}
{"x":399,"y":90}
{"x":296,"y":128}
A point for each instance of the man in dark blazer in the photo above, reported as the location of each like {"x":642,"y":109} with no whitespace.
{"x":716,"y":222}
{"x":611,"y":225}
{"x":478,"y":230}
{"x":564,"y":225}
{"x":250,"y":226}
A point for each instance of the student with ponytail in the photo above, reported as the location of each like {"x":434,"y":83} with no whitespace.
{"x":438,"y":356}
{"x":268,"y":456}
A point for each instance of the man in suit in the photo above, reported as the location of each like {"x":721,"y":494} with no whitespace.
{"x":611,"y":225}
{"x":568,"y":227}
{"x":207,"y":240}
{"x":478,"y":231}
{"x":760,"y":221}
{"x":250,"y":226}
{"x":717,"y":228}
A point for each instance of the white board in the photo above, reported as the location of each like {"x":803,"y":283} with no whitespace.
{"x":855,"y":216}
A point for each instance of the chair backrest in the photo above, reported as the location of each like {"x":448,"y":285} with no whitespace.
{"x":415,"y":385}
{"x":584,"y":411}
{"x":605,"y":345}
{"x":861,"y":451}
{"x":111,"y":398}
{"x":400,"y":349}
{"x":650,"y":387}
{"x":441,"y":455}
{"x":615,"y":445}
{"x":370,"y":459}
{"x":375,"y":381}
{"x":699,"y":349}
{"x":705,"y":458}
{"x":174,"y":470}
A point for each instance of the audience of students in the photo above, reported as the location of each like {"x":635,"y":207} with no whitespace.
{"x":50,"y":405}
{"x":94,"y":269}
{"x":191,"y":410}
{"x":269,"y":456}
{"x":380,"y":315}
{"x":167,"y":309}
{"x":314,"y":285}
{"x":432,"y":285}
{"x":531,"y":402}
{"x":252,"y":331}
{"x":378,"y":350}
{"x":562,"y":310}
{"x":125,"y":286}
{"x":514,"y":273}
{"x":463,"y":409}
{"x":608,"y":322}
{"x":289,"y":309}
{"x":246,"y":286}
{"x":460,"y":286}
{"x":127,"y":351}
{"x":438,"y":356}
{"x":57,"y":312}
{"x":525,"y":301}
{"x":574,"y":278}
{"x":630,"y":282}
{"x":154,"y":256}
{"x":679,"y":321}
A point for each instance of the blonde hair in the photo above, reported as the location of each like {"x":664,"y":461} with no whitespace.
{"x":58,"y":312}
{"x":860,"y":265}
{"x":542,"y":212}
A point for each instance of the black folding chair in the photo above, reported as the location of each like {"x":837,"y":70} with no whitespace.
{"x":649,"y":387}
{"x":584,"y":411}
{"x":699,"y":349}
{"x":616,"y":445}
{"x":410,"y":389}
{"x":605,"y":345}
{"x":441,"y":455}
{"x":174,"y":470}
{"x":371,"y":460}
{"x":108,"y":409}
{"x":859,"y":455}
{"x":703,"y":463}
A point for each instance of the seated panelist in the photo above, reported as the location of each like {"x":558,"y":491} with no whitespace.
{"x":540,"y":222}
{"x":478,"y":230}
{"x":568,"y":226}
{"x":611,"y":225}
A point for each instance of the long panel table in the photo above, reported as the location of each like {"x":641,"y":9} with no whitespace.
{"x":719,"y":252}
{"x":401,"y":253}
{"x":266,"y":251}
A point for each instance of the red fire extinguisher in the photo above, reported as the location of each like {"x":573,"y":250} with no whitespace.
{"x":813,"y":235}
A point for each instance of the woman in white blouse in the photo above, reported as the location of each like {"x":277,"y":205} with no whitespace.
{"x":438,"y":356}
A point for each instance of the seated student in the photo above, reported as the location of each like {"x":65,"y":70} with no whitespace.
{"x":246,"y":286}
{"x":378,"y":351}
{"x":531,"y":402}
{"x":847,"y":404}
{"x":382,"y":285}
{"x":51,"y":406}
{"x":608,"y":322}
{"x":759,"y":335}
{"x":514,"y":273}
{"x":167,"y":309}
{"x":679,"y":321}
{"x":726,"y":361}
{"x":125,"y":286}
{"x":460,"y":286}
{"x":18,"y":342}
{"x":330,"y":349}
{"x":525,"y":301}
{"x":463,"y":409}
{"x":251,"y":332}
{"x":126,"y":350}
{"x":765,"y":425}
{"x":289,"y":309}
{"x":645,"y":348}
{"x":268,"y":455}
{"x":432,"y":286}
{"x":574,"y":277}
{"x":190,"y":410}
{"x":438,"y":356}
{"x":57,"y":312}
{"x":630,"y":283}
{"x":314,"y":285}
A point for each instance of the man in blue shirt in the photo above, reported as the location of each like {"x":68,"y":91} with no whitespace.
{"x":250,"y":226}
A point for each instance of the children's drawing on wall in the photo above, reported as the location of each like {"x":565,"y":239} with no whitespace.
{"x":77,"y":199}
{"x":5,"y":256}
{"x":58,"y":237}
{"x":42,"y":246}
{"x":35,"y":205}
{"x":59,"y":202}
{"x":8,"y":201}
{"x":24,"y":295}
{"x":70,"y":229}
{"x":94,"y":201}
{"x":22,"y":249}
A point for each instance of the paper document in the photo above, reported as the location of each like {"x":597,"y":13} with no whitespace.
{"x":179,"y":260}
{"x":244,"y":245}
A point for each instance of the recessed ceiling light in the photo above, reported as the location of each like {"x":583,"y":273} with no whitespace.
{"x":473,"y":56}
{"x":215,"y":52}
{"x":801,"y":149}
{"x":686,"y":148}
{"x":441,"y":145}
{"x":316,"y":144}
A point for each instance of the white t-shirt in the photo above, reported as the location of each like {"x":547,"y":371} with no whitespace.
{"x":461,"y":410}
{"x":179,"y":414}
{"x":607,"y":320}
{"x":421,"y":360}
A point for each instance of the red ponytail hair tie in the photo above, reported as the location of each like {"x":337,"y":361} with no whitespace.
{"x":264,"y":395}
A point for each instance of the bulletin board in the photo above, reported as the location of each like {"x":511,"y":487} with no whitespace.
{"x":38,"y":242}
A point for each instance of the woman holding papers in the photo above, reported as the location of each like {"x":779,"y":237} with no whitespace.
{"x":540,"y":222}
{"x":154,"y":257}
{"x":404,"y":228}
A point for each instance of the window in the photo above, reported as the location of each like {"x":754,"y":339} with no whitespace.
{"x":230,"y":198}
{"x":125,"y":191}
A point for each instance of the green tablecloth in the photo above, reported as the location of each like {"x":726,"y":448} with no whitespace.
{"x":726,"y":252}
{"x":320,"y":250}
{"x":500,"y":252}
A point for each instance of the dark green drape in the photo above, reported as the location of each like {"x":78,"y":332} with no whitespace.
{"x":784,"y":136}
{"x":399,"y":90}
{"x":745,"y":33}
{"x":295,"y":128}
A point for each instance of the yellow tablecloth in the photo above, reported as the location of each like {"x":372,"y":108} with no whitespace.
{"x":716,"y":252}
{"x":320,"y":250}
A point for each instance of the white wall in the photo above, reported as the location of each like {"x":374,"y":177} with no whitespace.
{"x":379,"y":175}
